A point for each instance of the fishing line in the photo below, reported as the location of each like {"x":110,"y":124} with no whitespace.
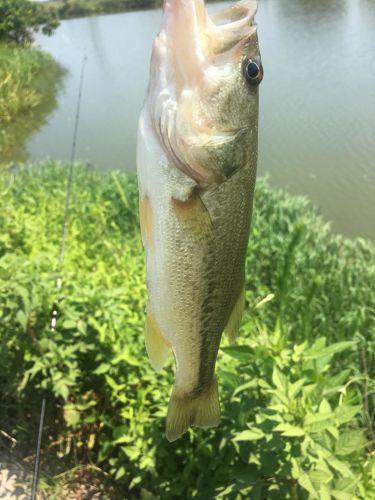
{"x":64,"y":232}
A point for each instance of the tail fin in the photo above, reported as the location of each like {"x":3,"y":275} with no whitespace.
{"x":183,"y":411}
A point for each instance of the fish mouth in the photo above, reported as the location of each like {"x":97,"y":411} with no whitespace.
{"x":236,"y":22}
{"x":190,"y":41}
{"x":193,"y":35}
{"x":240,"y":12}
{"x":234,"y":17}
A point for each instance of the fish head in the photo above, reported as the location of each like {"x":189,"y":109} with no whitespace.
{"x":203,"y":93}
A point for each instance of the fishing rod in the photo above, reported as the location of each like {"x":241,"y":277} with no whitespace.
{"x":64,"y":233}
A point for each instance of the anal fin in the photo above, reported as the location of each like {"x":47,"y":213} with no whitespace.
{"x":234,"y":322}
{"x":156,"y":346}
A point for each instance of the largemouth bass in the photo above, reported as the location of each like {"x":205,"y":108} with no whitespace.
{"x":196,"y":161}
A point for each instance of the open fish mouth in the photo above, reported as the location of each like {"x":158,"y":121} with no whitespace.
{"x":190,"y":17}
{"x":192,"y":40}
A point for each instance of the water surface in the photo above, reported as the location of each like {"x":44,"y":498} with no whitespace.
{"x":317,"y":113}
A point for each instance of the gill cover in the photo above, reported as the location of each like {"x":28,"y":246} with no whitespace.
{"x":199,"y":100}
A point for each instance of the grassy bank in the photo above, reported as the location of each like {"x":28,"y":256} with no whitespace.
{"x":297,"y":392}
{"x":28,"y":85}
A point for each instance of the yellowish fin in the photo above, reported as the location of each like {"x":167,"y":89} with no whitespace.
{"x":193,"y":215}
{"x":184,"y":411}
{"x":146,"y":221}
{"x":234,"y":322}
{"x":156,"y":346}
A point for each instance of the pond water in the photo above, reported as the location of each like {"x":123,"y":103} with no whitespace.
{"x":317,"y":108}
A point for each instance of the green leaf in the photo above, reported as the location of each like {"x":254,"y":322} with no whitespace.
{"x":344,"y":413}
{"x":23,"y":292}
{"x":279,"y":379}
{"x":332,"y":461}
{"x":324,"y":492}
{"x":61,"y":389}
{"x":102,"y":368}
{"x":329,"y":350}
{"x":263,"y":301}
{"x":120,"y":473}
{"x":289,"y":430}
{"x":306,"y":483}
{"x":325,"y":407}
{"x":133,"y":452}
{"x":69,"y":324}
{"x":339,"y":379}
{"x":120,"y":189}
{"x":251,"y":384}
{"x":318,"y":422}
{"x":126,"y":357}
{"x":113,"y":384}
{"x":342,"y":495}
{"x":295,"y":388}
{"x":242,"y":353}
{"x":91,"y":441}
{"x":348,"y":484}
{"x":249,"y":435}
{"x":320,"y":476}
{"x":322,"y":421}
{"x":350,"y":442}
{"x":71,"y":415}
{"x":229,"y":379}
{"x":22,"y":319}
{"x":147,"y":495}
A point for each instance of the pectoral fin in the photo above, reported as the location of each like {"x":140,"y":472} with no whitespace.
{"x":156,"y":346}
{"x":193,"y":215}
{"x":234,"y":322}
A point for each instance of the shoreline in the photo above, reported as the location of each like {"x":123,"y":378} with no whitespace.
{"x":85,"y":8}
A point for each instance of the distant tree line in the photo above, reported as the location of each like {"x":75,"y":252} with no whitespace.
{"x":77,"y":8}
{"x":66,"y":9}
{"x":20,"y":19}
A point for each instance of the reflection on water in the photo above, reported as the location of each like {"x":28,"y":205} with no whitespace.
{"x":318,"y":106}
{"x":317,"y":117}
{"x":14,"y":135}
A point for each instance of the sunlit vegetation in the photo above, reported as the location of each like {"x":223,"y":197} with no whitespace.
{"x":297,"y":392}
{"x":28,"y":77}
{"x":29,"y":82}
{"x":20,"y":19}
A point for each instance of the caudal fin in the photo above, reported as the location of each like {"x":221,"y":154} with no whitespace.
{"x":183,"y":411}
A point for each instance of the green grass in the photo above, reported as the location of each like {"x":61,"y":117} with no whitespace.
{"x":297,"y":392}
{"x":28,"y":85}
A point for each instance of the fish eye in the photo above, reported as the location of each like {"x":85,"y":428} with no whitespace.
{"x":253,"y":72}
